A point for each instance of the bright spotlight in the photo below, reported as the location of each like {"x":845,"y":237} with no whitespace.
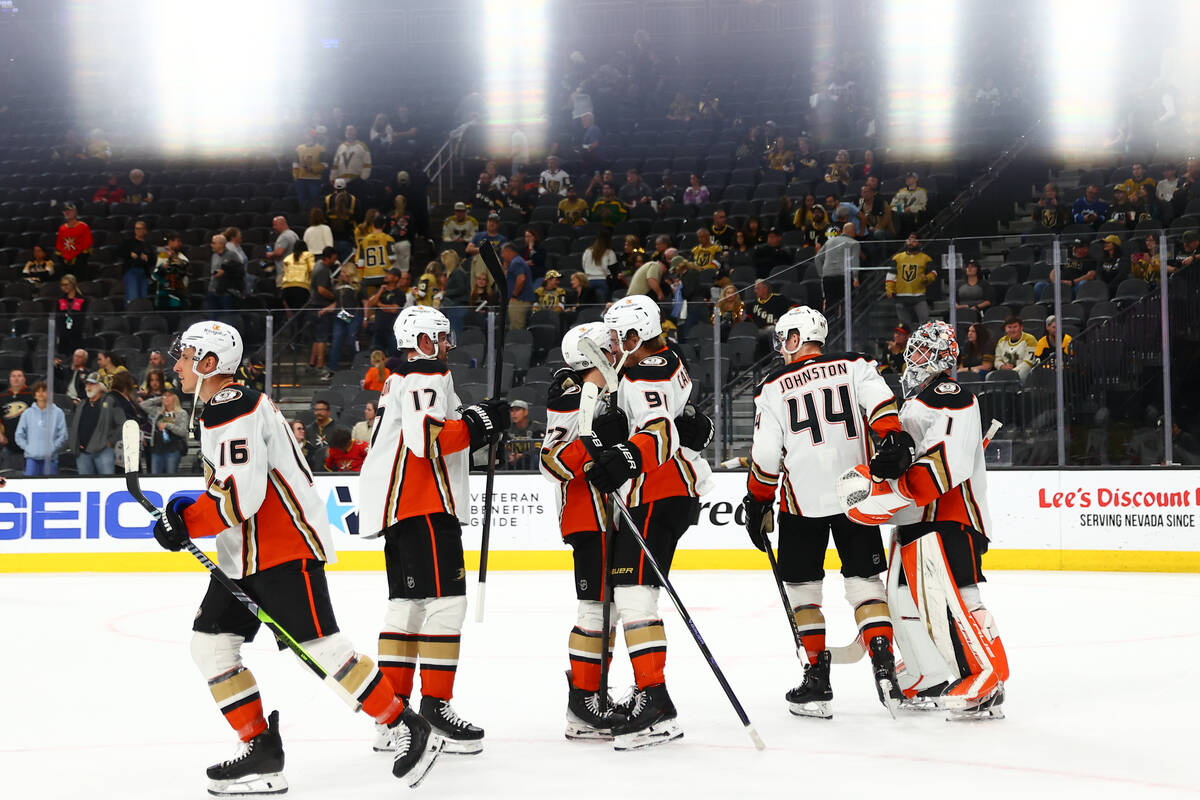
{"x":515,"y":78}
{"x":922,"y":70}
{"x":1082,"y":88}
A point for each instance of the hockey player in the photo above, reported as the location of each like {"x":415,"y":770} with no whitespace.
{"x":272,"y":538}
{"x":413,"y":492}
{"x":662,"y":478}
{"x":583,"y":519}
{"x":813,"y":418}
{"x":940,"y":503}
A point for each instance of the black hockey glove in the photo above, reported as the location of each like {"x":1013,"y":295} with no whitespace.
{"x":612,"y":466}
{"x":564,"y":380}
{"x":173,"y":535}
{"x":895,"y":454}
{"x":695,"y":428}
{"x":486,"y":421}
{"x":611,"y":427}
{"x":760,"y":520}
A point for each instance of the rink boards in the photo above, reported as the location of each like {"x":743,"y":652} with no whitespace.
{"x":1124,"y":520}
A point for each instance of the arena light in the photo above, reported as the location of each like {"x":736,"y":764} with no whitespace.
{"x":515,"y":77}
{"x":1083,"y":40}
{"x":921,"y":42}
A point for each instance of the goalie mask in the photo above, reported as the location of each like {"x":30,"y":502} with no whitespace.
{"x":809,"y":324}
{"x":931,"y":350}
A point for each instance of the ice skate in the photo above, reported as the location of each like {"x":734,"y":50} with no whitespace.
{"x":884,"y":665}
{"x":256,"y":769}
{"x":814,"y":696}
{"x":462,"y":738}
{"x":586,"y":720}
{"x":988,"y":707}
{"x":652,"y":721}
{"x":383,"y":737}
{"x":416,"y":746}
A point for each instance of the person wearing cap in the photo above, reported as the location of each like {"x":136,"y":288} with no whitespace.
{"x":308,"y":171}
{"x":1122,"y":210}
{"x":668,"y":190}
{"x":252,"y":373}
{"x":892,"y":357}
{"x":635,"y":190}
{"x":908,"y":278}
{"x":550,"y":296}
{"x":1045,"y":351}
{"x":1090,"y":209}
{"x":525,"y":438}
{"x":169,"y":430}
{"x":41,"y":433}
{"x":771,"y":254}
{"x":1114,"y":264}
{"x":283,"y":246}
{"x":490,"y":234}
{"x":459,"y":226}
{"x":1050,"y":211}
{"x":352,"y":160}
{"x":342,"y":213}
{"x":95,"y":430}
{"x":1189,"y":252}
{"x":73,"y":242}
{"x":1079,"y":268}
{"x":608,"y":210}
{"x":573,"y":209}
{"x":974,"y":295}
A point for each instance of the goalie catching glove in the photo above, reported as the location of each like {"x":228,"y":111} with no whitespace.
{"x":760,"y":520}
{"x":867,"y":501}
{"x":611,"y":467}
{"x":894,"y":456}
{"x":173,"y":534}
{"x":486,"y":421}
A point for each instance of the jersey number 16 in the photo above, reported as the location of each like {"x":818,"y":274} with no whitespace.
{"x":802,"y":413}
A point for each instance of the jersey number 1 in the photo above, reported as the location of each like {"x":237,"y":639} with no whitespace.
{"x":812,"y":423}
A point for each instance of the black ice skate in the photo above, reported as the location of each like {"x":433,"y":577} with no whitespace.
{"x":651,"y":721}
{"x":986,"y":708}
{"x":884,"y":665}
{"x":384,"y":742}
{"x":814,"y":696}
{"x":416,"y":746}
{"x":586,"y":719}
{"x":256,"y":769}
{"x":462,"y":738}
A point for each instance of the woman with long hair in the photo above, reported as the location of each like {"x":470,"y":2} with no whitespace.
{"x":318,"y":235}
{"x":978,"y":354}
{"x":533,"y":254}
{"x":40,"y":268}
{"x":729,"y":310}
{"x":347,"y":308}
{"x":72,"y":308}
{"x":974,"y":294}
{"x":368,"y":225}
{"x":597,"y":262}
{"x":377,"y":373}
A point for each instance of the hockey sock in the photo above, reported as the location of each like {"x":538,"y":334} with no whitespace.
{"x":438,"y":645}
{"x":398,"y":660}
{"x":584,"y":648}
{"x":866,"y":596}
{"x":236,"y":693}
{"x":646,"y":641}
{"x":805,"y":599}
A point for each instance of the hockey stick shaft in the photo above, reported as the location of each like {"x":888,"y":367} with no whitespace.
{"x":491,"y":260}
{"x":801,"y":653}
{"x":606,"y":614}
{"x":134,"y":487}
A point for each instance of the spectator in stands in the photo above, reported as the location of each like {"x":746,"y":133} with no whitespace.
{"x":668,"y":191}
{"x":74,"y":242}
{"x":227,"y":279}
{"x":728,"y":311}
{"x":804,"y":157}
{"x":573,"y":210}
{"x":284,"y":244}
{"x":1189,"y":252}
{"x":1138,"y":179}
{"x":1164,"y":190}
{"x":39,"y":268}
{"x":1114,"y":265}
{"x":138,"y":191}
{"x":892,"y":358}
{"x":252,"y":373}
{"x":772,"y":254}
{"x":973,"y":295}
{"x":352,"y":161}
{"x":766,"y":309}
{"x":456,"y":295}
{"x":97,"y":147}
{"x":1145,"y":205}
{"x":346,"y":309}
{"x":399,"y":227}
{"x":308,"y":172}
{"x":487,"y":195}
{"x":345,"y":454}
{"x":722,"y":234}
{"x":341,"y":213}
{"x":525,"y":437}
{"x":908,"y":279}
{"x":1189,"y":188}
{"x":1122,"y":210}
{"x":317,"y":236}
{"x":533,"y":253}
{"x":428,"y":290}
{"x":631,"y":256}
{"x":111,"y":192}
{"x":589,"y":143}
{"x":839,"y":170}
{"x":635,"y":191}
{"x":706,"y":253}
{"x":13,"y":403}
{"x":817,"y":230}
{"x":550,"y":296}
{"x":300,"y":433}
{"x":317,"y":434}
{"x":374,"y":252}
{"x":168,"y":432}
{"x":1045,"y":351}
{"x":490,"y":234}
{"x":153,"y":386}
{"x":321,"y":295}
{"x":976,"y":355}
{"x":404,"y":128}
{"x":1015,"y":349}
{"x":802,"y":214}
{"x":595,"y":186}
{"x":459,"y":227}
{"x":111,"y":364}
{"x":662,"y":250}
{"x":740,"y":255}
{"x":1079,"y":268}
{"x":233,"y":242}
{"x":71,"y":314}
{"x":361,"y":432}
{"x":647,"y":280}
{"x":608,"y":210}
{"x":74,"y":375}
{"x":868,"y":169}
{"x":155,"y":362}
{"x":582,"y":292}
{"x":484,"y":293}
{"x":496,"y":179}
{"x":1090,"y":209}
{"x":41,"y":433}
{"x":520,"y":286}
{"x":554,"y":180}
{"x":124,"y":392}
{"x":780,"y":157}
{"x":380,"y":134}
{"x":1050,"y":211}
{"x":296,"y":277}
{"x":1147,"y":264}
{"x":365,"y":227}
{"x":875,"y":213}
{"x":377,"y":373}
{"x":696,"y":194}
{"x":171,"y":275}
{"x":95,"y":430}
{"x":831,"y":261}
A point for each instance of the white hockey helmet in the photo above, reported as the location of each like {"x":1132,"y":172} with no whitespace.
{"x":596,"y":331}
{"x":808,"y":323}
{"x":931,"y":350}
{"x":415,"y":320}
{"x":210,"y":338}
{"x":636,"y":313}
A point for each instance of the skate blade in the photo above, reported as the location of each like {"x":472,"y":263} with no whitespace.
{"x":981,"y":715}
{"x":250,"y":786}
{"x":890,"y":702}
{"x":433,"y":749}
{"x":819,"y":709}
{"x":659,"y":733}
{"x":586,"y":733}
{"x":462,"y":747}
{"x":918,"y":705}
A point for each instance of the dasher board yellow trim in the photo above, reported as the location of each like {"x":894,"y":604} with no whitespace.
{"x":363,"y":560}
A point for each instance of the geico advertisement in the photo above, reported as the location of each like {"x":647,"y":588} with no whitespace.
{"x":1093,"y":510}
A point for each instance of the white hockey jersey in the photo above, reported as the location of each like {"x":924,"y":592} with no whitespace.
{"x":260,"y":501}
{"x":811,"y":419}
{"x":580,"y":506}
{"x":652,"y":393}
{"x":948,"y":479}
{"x":418,"y":460}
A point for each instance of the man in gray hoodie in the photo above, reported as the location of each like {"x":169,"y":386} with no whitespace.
{"x":95,"y":430}
{"x":41,"y":433}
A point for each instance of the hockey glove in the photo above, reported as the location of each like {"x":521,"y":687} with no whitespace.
{"x":610,"y":428}
{"x":173,"y":534}
{"x":695,"y":428}
{"x":486,"y":421}
{"x":894,"y":456}
{"x":565,"y":379}
{"x":613,"y":466}
{"x":760,"y":520}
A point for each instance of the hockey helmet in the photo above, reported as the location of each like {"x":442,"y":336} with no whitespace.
{"x":931,"y":350}
{"x":808,"y":323}
{"x":415,"y":320}
{"x":637,"y":313}
{"x":210,"y":338}
{"x":574,"y":357}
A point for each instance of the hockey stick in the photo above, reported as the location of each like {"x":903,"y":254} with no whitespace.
{"x":585,"y":433}
{"x":801,"y":652}
{"x":131,"y":438}
{"x":606,"y":614}
{"x":492,"y":261}
{"x":855,"y":650}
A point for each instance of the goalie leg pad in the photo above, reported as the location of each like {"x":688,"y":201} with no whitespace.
{"x":438,"y":644}
{"x":233,"y":687}
{"x":645,"y":636}
{"x":586,"y":645}
{"x":805,"y":600}
{"x":923,"y":667}
{"x":398,"y":642}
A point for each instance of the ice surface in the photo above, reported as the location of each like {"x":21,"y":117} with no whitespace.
{"x":101,"y":700}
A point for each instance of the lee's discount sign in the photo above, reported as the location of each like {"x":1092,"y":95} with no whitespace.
{"x":1150,"y":510}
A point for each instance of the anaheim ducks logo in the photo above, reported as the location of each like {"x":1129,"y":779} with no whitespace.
{"x":15,"y":409}
{"x":653,"y":361}
{"x":949,"y":387}
{"x":225,"y":396}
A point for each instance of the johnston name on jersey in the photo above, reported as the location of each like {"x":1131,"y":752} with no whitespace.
{"x":260,"y":502}
{"x":418,"y":460}
{"x":811,"y":419}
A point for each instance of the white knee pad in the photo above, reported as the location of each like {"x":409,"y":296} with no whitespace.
{"x":636,"y":603}
{"x":331,"y":652}
{"x":590,"y":615}
{"x":444,"y":616}
{"x":216,"y":653}
{"x":803,"y":594}
{"x":974,"y":604}
{"x":862,"y":590}
{"x":404,"y":616}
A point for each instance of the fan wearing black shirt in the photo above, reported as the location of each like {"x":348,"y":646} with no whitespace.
{"x":13,"y":402}
{"x":765,"y":310}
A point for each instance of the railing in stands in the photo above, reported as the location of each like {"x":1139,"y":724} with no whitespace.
{"x":440,"y":168}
